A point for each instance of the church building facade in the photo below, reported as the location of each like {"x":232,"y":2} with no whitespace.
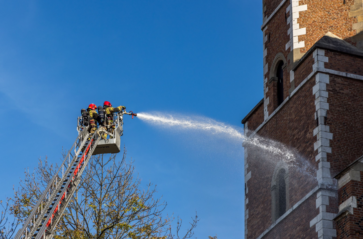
{"x":312,"y":104}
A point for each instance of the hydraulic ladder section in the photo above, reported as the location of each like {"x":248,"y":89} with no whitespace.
{"x":46,"y":214}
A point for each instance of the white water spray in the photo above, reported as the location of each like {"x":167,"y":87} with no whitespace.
{"x":217,"y":128}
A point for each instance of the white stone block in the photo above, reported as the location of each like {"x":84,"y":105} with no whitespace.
{"x":327,"y":216}
{"x":325,"y":135}
{"x":324,"y":165}
{"x":295,"y":15}
{"x":325,"y":181}
{"x":318,"y":65}
{"x":321,"y":113}
{"x":314,"y":221}
{"x":323,"y":173}
{"x":319,"y":86}
{"x":296,"y":26}
{"x":321,"y":128}
{"x":315,"y":54}
{"x":326,"y":193}
{"x":352,"y":202}
{"x":321,"y":52}
{"x":321,"y":93}
{"x":322,"y":208}
{"x":295,"y":39}
{"x":322,"y":78}
{"x":323,"y":200}
{"x":288,"y":9}
{"x":321,"y":155}
{"x":264,"y":53}
{"x":300,"y":8}
{"x":299,"y":32}
{"x":248,"y":177}
{"x":321,"y":99}
{"x":321,"y":64}
{"x":325,"y":149}
{"x":324,"y":142}
{"x":288,"y":45}
{"x":327,"y":232}
{"x":292,"y":75}
{"x":324,"y":224}
{"x":323,"y":58}
{"x":299,"y":45}
{"x":322,"y":105}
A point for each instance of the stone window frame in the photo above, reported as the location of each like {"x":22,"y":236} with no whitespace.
{"x":274,"y":192}
{"x":273,"y":70}
{"x":272,"y":82}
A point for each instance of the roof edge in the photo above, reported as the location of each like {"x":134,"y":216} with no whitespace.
{"x":319,"y":45}
{"x":348,"y":167}
{"x":252,"y":111}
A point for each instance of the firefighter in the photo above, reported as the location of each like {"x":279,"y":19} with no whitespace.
{"x":109,"y":110}
{"x":93,"y":118}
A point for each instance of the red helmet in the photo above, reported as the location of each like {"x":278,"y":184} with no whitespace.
{"x":92,"y":106}
{"x":107,"y":103}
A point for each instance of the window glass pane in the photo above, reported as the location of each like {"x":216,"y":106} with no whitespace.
{"x":280,"y":83}
{"x":281,"y":193}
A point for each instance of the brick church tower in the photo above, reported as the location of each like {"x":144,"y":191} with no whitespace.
{"x":313,"y":105}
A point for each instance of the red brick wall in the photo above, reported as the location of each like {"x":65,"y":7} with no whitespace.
{"x":351,"y":226}
{"x":304,"y":70}
{"x":345,"y":118}
{"x":293,"y":126}
{"x":344,"y":62}
{"x":271,"y":5}
{"x":325,"y":16}
{"x":255,"y":119}
{"x":299,"y":221}
{"x":277,"y":29}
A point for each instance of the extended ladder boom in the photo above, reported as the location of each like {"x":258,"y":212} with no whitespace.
{"x":49,"y":209}
{"x":51,"y":205}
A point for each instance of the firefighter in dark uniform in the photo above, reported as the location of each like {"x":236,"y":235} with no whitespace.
{"x":93,"y":118}
{"x":109,"y":110}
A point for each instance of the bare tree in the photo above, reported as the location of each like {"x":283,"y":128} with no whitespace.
{"x":188,"y":234}
{"x":109,"y":203}
{"x":8,"y":225}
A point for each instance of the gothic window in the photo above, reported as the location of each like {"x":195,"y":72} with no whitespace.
{"x":280,"y":83}
{"x":279,"y":191}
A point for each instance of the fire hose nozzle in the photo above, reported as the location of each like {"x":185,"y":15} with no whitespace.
{"x":133,"y":114}
{"x":130,"y":113}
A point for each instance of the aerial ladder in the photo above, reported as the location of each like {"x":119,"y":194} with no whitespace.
{"x":48,"y":211}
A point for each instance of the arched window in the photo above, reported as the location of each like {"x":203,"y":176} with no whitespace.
{"x":279,"y":191}
{"x":280,"y":83}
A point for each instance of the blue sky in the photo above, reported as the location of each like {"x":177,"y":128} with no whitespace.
{"x":196,"y":58}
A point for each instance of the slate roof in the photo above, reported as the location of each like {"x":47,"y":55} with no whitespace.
{"x":333,"y":43}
